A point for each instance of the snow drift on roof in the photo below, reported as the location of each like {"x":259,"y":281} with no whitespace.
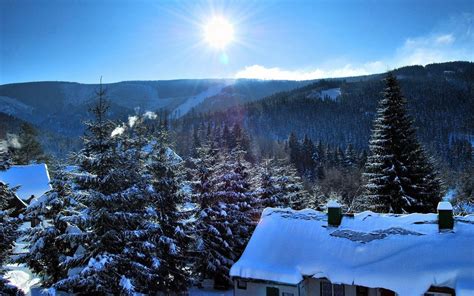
{"x":33,"y":179}
{"x":403,"y":253}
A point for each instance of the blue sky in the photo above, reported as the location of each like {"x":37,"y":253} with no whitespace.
{"x":150,"y":40}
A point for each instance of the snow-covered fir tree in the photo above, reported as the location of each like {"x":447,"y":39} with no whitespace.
{"x":242,"y":205}
{"x":350,"y":157}
{"x":214,"y":252}
{"x":227,"y":211}
{"x":30,"y":149}
{"x":119,"y":255}
{"x":56,"y":215}
{"x":172,"y":242}
{"x":8,"y":230}
{"x":280,"y":186}
{"x":400,"y":178}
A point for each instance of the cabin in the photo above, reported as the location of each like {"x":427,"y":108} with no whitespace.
{"x":313,"y":253}
{"x":32,"y":181}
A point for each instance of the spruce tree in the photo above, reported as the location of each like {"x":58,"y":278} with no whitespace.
{"x":281,"y":187}
{"x":8,"y":231}
{"x":54,"y":212}
{"x":172,"y":242}
{"x":234,"y":188}
{"x":30,"y":149}
{"x":399,"y":176}
{"x":350,"y":157}
{"x":214,"y":253}
{"x":294,"y":147}
{"x":320,"y":159}
{"x":227,"y":211}
{"x":120,"y":253}
{"x":307,"y":158}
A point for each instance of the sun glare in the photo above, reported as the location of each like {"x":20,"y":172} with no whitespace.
{"x":218,"y":32}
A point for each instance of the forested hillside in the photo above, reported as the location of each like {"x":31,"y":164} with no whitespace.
{"x":58,"y":109}
{"x":440,"y":99}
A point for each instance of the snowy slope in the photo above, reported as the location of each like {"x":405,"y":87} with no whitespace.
{"x":193,"y":101}
{"x":13,"y":107}
{"x":331,"y":94}
{"x":33,"y":179}
{"x":406,"y":254}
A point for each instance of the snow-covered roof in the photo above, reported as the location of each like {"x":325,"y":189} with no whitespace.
{"x":33,"y":179}
{"x":403,"y":253}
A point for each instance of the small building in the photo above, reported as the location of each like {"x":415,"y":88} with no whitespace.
{"x":311,"y":253}
{"x":32,"y":181}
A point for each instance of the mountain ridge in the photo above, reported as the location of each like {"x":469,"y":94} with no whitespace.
{"x":60,"y":107}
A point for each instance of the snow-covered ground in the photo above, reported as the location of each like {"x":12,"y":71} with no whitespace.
{"x":13,"y":107}
{"x":24,"y":279}
{"x":331,"y":94}
{"x":21,"y":277}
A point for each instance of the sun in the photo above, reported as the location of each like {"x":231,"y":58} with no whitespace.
{"x":218,"y":32}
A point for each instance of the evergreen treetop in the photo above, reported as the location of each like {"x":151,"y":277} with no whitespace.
{"x":399,"y":176}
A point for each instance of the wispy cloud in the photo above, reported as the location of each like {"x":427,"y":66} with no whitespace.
{"x":261,"y":72}
{"x":453,"y":41}
{"x":445,"y":39}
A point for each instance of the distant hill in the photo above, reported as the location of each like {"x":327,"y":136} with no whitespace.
{"x":341,"y":111}
{"x":59,"y":108}
{"x":338,"y":111}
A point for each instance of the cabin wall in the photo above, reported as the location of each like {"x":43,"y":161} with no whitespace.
{"x":308,"y":287}
{"x":260,"y":289}
{"x":313,"y":287}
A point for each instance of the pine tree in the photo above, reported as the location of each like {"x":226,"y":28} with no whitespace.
{"x":320,"y":159}
{"x":295,"y":149}
{"x":267,"y":188}
{"x":227,"y":139}
{"x":214,"y":252}
{"x":227,"y":211}
{"x":30,"y":149}
{"x":196,"y":141}
{"x":54,"y":211}
{"x":350,"y":157}
{"x":307,"y":151}
{"x":399,"y":176}
{"x":281,"y":187}
{"x":120,"y":241}
{"x":465,"y":192}
{"x":167,"y":199}
{"x":8,"y":231}
{"x":234,"y":187}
